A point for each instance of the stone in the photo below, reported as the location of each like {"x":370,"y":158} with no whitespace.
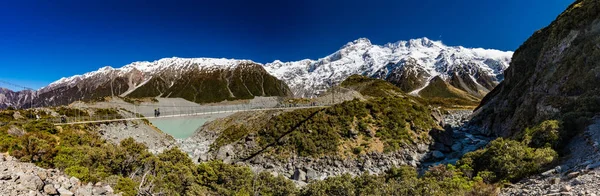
{"x":299,"y":175}
{"x":74,"y":181}
{"x":15,"y":131}
{"x":98,"y":191}
{"x":367,"y":164}
{"x":43,"y":175}
{"x":456,"y":147}
{"x":576,"y":182}
{"x":50,"y":190}
{"x":311,"y":174}
{"x":565,"y":193}
{"x":437,"y":154}
{"x":31,"y":182}
{"x":566,"y":188}
{"x":5,"y":177}
{"x":64,"y":192}
{"x":421,"y":148}
{"x":549,"y":172}
{"x":86,"y":190}
{"x":554,"y":180}
{"x":572,"y":175}
{"x":2,"y":157}
{"x":109,"y":189}
{"x":593,"y":166}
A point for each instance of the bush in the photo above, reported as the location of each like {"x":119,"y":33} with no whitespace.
{"x":546,"y":134}
{"x":267,"y":184}
{"x":83,"y":173}
{"x":127,"y":186}
{"x":509,"y":159}
{"x":333,"y":186}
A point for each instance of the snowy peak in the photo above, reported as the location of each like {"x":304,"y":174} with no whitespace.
{"x":428,"y":59}
{"x":360,"y":42}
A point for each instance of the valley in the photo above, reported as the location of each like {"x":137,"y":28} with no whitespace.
{"x":414,"y":117}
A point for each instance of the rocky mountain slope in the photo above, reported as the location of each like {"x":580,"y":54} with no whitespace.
{"x":410,"y":65}
{"x":386,"y":129}
{"x":553,"y":75}
{"x":9,"y":98}
{"x":199,"y":80}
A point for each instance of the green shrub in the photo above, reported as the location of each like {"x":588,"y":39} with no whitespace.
{"x":509,"y":159}
{"x":333,"y":186}
{"x":267,"y":184}
{"x":127,"y":186}
{"x":80,"y":172}
{"x":546,"y":134}
{"x":357,"y":150}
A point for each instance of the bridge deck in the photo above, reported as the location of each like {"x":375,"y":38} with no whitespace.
{"x":190,"y":114}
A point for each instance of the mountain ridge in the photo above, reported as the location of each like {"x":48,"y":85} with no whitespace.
{"x":414,"y":61}
{"x":409,"y":65}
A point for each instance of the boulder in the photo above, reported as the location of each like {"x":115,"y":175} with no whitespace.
{"x":74,"y":181}
{"x":299,"y":175}
{"x":457,"y":147}
{"x":64,"y":192}
{"x":437,"y":154}
{"x":86,"y":190}
{"x":99,"y":191}
{"x":572,"y":175}
{"x":311,"y":174}
{"x":109,"y":189}
{"x":593,"y":166}
{"x":31,"y":182}
{"x":15,"y":131}
{"x":549,"y":172}
{"x":50,"y":190}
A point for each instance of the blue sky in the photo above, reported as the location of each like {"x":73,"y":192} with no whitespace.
{"x":42,"y":41}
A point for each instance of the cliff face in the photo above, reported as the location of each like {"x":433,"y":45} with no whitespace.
{"x":555,"y":74}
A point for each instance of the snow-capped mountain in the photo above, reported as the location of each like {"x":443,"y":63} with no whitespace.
{"x":196,"y":79}
{"x":408,"y":64}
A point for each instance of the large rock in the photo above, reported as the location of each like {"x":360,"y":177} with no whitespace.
{"x":31,"y":182}
{"x":437,"y":154}
{"x":457,"y":147}
{"x":225,"y":154}
{"x":311,"y":174}
{"x":64,"y":192}
{"x":50,"y":190}
{"x":74,"y":181}
{"x":299,"y":175}
{"x":99,"y":191}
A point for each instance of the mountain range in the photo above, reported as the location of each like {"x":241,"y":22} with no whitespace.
{"x":410,"y":65}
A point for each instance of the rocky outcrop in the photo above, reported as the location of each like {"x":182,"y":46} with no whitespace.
{"x":554,"y":74}
{"x":18,"y":178}
{"x":140,"y":131}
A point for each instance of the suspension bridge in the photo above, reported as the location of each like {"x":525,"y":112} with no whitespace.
{"x":146,"y":110}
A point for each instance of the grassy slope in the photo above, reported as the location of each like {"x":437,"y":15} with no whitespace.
{"x":201,"y":86}
{"x":440,"y":91}
{"x":388,"y":121}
